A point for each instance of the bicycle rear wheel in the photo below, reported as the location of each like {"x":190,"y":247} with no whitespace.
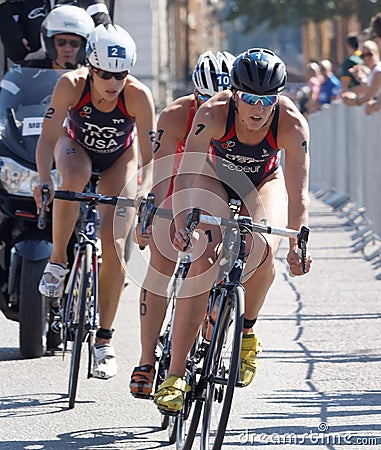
{"x":77,"y":301}
{"x":222,"y":369}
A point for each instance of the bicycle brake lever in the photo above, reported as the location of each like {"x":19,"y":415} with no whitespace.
{"x":193,"y":220}
{"x":41,"y":222}
{"x":302,"y":245}
{"x":147,"y":212}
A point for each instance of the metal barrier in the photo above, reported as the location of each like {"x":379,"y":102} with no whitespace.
{"x":346,"y":172}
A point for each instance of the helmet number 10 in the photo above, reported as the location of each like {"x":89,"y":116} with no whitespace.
{"x":223,"y":79}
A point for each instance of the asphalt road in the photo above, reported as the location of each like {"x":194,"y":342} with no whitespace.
{"x":318,"y":383}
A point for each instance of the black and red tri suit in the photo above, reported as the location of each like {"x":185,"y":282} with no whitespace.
{"x":242,"y":167}
{"x":104,"y":135}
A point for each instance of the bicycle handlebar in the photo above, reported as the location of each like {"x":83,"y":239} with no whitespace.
{"x":73,"y":196}
{"x":243,"y":221}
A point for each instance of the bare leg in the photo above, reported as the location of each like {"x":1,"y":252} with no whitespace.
{"x":114,"y":229}
{"x":153,"y":296}
{"x":74,"y":167}
{"x":260,"y":268}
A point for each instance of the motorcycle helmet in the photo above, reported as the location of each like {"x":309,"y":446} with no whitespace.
{"x":258,"y":71}
{"x":111,"y":48}
{"x":66,"y":19}
{"x":211,"y":74}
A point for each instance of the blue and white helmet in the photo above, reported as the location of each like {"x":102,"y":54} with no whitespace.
{"x":111,"y":48}
{"x":212,"y":72}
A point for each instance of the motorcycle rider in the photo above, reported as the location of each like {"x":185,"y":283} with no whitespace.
{"x":64,"y":34}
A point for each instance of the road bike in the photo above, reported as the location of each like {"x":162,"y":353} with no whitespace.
{"x":212,"y":369}
{"x":78,"y":315}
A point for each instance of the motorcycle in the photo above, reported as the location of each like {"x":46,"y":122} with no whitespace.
{"x":24,"y":248}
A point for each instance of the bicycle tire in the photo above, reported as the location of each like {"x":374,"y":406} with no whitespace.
{"x":189,"y":417}
{"x":222,"y":365}
{"x":79,"y":316}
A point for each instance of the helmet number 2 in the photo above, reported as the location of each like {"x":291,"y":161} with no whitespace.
{"x":116,"y":51}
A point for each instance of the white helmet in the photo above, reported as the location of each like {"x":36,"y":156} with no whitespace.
{"x":66,"y":19}
{"x":111,"y":48}
{"x":212,"y":72}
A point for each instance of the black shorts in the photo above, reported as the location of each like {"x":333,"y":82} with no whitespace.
{"x":103,"y":161}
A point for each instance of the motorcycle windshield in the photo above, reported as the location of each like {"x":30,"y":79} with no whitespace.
{"x":24,"y":96}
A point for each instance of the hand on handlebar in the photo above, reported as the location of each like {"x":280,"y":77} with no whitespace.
{"x":142,"y":239}
{"x":295,"y":262}
{"x":37,"y":194}
{"x":182,"y":240}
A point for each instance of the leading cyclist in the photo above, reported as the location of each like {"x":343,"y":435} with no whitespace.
{"x":248,"y":127}
{"x":210,"y":76}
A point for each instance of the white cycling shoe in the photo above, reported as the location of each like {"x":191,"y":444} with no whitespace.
{"x":52,"y":282}
{"x":104,"y":361}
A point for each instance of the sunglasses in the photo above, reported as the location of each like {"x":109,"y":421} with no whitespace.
{"x":363,"y":55}
{"x":203,"y":98}
{"x":251,"y":99}
{"x":61,"y":42}
{"x":108,"y":75}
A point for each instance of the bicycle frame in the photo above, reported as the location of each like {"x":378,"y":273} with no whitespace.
{"x":81,"y":293}
{"x":216,"y":379}
{"x":87,"y":236}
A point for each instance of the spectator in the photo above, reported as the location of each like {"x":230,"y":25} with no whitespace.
{"x":352,"y":48}
{"x":374,"y":104}
{"x":20,"y":23}
{"x":375,"y":25}
{"x":370,"y":80}
{"x":314,"y":81}
{"x":330,"y":88}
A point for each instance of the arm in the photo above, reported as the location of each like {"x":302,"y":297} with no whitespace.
{"x":140,"y":105}
{"x":294,"y":138}
{"x":371,"y":91}
{"x":204,"y":128}
{"x":170,"y":133}
{"x":11,"y":35}
{"x":62,"y":99}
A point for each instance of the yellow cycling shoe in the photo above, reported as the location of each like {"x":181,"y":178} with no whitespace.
{"x":250,"y":347}
{"x":169,"y":397}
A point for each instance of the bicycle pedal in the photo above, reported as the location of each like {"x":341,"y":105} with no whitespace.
{"x":143,"y":396}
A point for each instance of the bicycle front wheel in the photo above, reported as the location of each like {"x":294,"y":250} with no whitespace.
{"x":222,"y":369}
{"x":77,"y":300}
